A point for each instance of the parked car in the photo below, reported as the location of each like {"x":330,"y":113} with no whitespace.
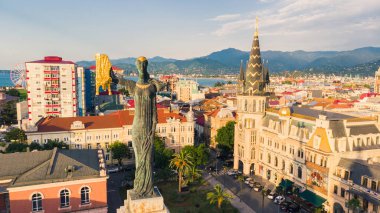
{"x":247,"y":180}
{"x":257,"y":187}
{"x":113,"y":169}
{"x":293,"y":208}
{"x":279,"y":199}
{"x":231,"y":172}
{"x":272,"y":194}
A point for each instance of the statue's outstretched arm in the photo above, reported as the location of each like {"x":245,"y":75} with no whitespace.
{"x":159,"y":85}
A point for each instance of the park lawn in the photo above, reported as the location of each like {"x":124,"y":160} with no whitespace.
{"x":190,"y":202}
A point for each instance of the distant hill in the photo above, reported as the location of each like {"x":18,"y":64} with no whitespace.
{"x":363,"y":60}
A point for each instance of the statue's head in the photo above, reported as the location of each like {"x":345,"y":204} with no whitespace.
{"x":142,"y":67}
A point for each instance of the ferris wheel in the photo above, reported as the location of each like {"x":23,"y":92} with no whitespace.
{"x":18,"y":75}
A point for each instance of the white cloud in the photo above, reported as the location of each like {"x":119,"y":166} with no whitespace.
{"x":296,"y":22}
{"x":226,"y":17}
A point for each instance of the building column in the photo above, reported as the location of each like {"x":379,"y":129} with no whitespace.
{"x":236,"y":162}
{"x":246,"y":168}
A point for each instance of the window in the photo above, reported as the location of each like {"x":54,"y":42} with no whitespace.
{"x":291,"y":169}
{"x":65,"y":198}
{"x":373,"y":185}
{"x":299,"y":172}
{"x":275,"y":162}
{"x":335,"y":189}
{"x":37,"y":202}
{"x":346,"y":175}
{"x":342,"y":192}
{"x":84,"y":195}
{"x":365,"y":182}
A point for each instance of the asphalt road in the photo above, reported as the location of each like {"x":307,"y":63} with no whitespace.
{"x":114,"y":199}
{"x":249,"y":196}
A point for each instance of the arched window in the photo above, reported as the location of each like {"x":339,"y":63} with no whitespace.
{"x":253,"y":153}
{"x":65,"y":198}
{"x":291,"y":169}
{"x":283,"y":165}
{"x":84,"y":195}
{"x":299,"y":172}
{"x":269,"y":159}
{"x":37,"y":202}
{"x":275,"y":161}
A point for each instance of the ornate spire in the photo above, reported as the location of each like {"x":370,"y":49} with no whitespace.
{"x":242,"y":75}
{"x":254,"y":69}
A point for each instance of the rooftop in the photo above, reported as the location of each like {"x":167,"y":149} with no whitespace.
{"x":360,"y":168}
{"x":52,"y":60}
{"x":29,"y":168}
{"x":113,"y":120}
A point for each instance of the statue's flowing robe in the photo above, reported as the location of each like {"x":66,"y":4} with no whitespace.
{"x":143,"y":130}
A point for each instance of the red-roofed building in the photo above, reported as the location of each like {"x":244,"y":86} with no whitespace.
{"x":215,"y":120}
{"x":91,"y":132}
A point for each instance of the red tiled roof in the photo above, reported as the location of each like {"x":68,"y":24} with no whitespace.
{"x":213,"y":113}
{"x":52,"y":60}
{"x":113,"y":120}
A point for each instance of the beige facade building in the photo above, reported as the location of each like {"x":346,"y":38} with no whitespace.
{"x":92,"y":132}
{"x":187,"y":90}
{"x":330,"y":157}
{"x":51,"y":88}
{"x":377,"y":81}
{"x":215,"y":120}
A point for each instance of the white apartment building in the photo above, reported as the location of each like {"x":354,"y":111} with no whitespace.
{"x":187,"y":90}
{"x":51,"y":88}
{"x":91,"y":132}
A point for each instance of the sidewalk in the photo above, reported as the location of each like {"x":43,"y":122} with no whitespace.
{"x":235,"y":201}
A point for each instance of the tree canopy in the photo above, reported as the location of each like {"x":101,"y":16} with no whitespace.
{"x":225,"y":137}
{"x":162,"y":155}
{"x":15,"y":134}
{"x":8,"y":113}
{"x":200,"y":154}
{"x":119,"y":151}
{"x":16,"y":147}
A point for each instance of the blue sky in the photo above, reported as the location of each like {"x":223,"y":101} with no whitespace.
{"x":77,"y":29}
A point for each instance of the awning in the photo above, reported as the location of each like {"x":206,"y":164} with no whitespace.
{"x":365,"y":196}
{"x":313,"y":198}
{"x":285,"y":184}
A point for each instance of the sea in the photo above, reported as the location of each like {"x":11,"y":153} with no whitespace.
{"x":206,"y":82}
{"x":5,"y":79}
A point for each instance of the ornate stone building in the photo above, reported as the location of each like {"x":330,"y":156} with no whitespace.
{"x":318,"y":152}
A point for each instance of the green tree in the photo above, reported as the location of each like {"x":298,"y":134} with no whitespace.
{"x":200,"y":154}
{"x":119,"y":151}
{"x":354,"y":204}
{"x":225,"y":137}
{"x":51,"y":144}
{"x":218,"y":84}
{"x":162,"y":155}
{"x":15,"y":134}
{"x":8,"y":113}
{"x":13,"y":92}
{"x":218,"y":196}
{"x":16,"y":147}
{"x":193,"y":174}
{"x":264,"y":193}
{"x":240,"y":179}
{"x":35,"y":146}
{"x":181,"y":162}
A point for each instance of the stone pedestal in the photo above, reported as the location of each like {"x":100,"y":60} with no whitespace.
{"x":154,"y":204}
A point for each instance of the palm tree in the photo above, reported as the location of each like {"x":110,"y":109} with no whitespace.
{"x":181,"y":162}
{"x":264,"y":192}
{"x":193,"y":174}
{"x":240,"y":179}
{"x":218,"y":196}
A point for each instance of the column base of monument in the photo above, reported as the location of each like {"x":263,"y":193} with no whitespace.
{"x":154,"y":204}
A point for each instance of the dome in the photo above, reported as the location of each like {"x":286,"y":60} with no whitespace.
{"x":284,"y":111}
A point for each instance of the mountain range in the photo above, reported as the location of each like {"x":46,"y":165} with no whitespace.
{"x":363,"y":61}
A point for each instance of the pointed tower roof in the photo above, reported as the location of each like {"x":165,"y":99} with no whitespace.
{"x":242,"y":74}
{"x":254,"y":69}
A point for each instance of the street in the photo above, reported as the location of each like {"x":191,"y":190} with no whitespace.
{"x":113,"y":191}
